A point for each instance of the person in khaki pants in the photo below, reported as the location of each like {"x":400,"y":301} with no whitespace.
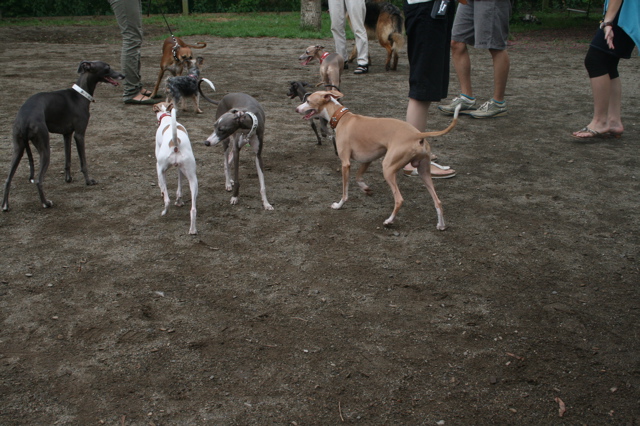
{"x":129,"y":16}
{"x":357,"y":11}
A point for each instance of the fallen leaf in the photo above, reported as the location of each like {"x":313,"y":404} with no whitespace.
{"x":562,"y":408}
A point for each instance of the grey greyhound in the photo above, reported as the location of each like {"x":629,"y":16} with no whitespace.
{"x":239,"y":120}
{"x":64,"y":112}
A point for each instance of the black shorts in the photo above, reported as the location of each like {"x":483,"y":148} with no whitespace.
{"x":428,"y":49}
{"x":622,"y":43}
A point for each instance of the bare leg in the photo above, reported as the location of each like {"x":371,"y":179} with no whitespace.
{"x":501,"y":65}
{"x":603,"y":95}
{"x":417,"y":112}
{"x":615,"y":107}
{"x":462,"y":64}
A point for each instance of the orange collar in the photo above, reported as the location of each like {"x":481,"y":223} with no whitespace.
{"x":337,"y":116}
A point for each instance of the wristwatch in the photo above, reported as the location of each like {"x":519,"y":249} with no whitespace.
{"x":605,"y":24}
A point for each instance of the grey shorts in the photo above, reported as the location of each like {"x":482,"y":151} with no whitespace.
{"x":483,"y":24}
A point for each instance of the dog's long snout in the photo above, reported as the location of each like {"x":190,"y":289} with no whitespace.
{"x":212,"y":140}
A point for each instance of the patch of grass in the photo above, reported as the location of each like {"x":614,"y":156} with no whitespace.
{"x":554,"y":20}
{"x":282,"y":25}
{"x":277,"y":24}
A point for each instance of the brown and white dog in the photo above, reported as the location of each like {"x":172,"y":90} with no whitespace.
{"x":173,"y":149}
{"x":176,"y":54}
{"x":331,"y":64}
{"x":365,"y":139}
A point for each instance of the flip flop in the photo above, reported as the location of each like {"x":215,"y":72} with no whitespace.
{"x":592,"y":134}
{"x":143,"y":101}
{"x":145,"y":92}
{"x":615,"y":135}
{"x":437,"y":172}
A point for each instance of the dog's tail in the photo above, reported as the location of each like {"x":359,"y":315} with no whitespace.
{"x":175,"y":142}
{"x":445,"y":131}
{"x":198,"y":45}
{"x":202,"y":93}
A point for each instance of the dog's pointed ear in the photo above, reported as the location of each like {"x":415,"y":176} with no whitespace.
{"x":334,"y":94}
{"x":170,"y":107}
{"x":84,"y":67}
{"x":319,"y":47}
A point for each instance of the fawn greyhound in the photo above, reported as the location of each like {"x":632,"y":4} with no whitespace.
{"x":331,"y":64}
{"x":365,"y":139}
{"x":65,"y":112}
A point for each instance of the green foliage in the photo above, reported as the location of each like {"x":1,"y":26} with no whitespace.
{"x":282,"y":25}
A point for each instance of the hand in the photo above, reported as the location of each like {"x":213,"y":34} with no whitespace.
{"x":608,"y":36}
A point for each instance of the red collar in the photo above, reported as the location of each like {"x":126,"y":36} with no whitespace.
{"x":324,"y":56}
{"x":166,"y":114}
{"x":337,"y":116}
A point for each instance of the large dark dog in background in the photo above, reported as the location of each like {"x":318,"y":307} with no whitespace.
{"x":385,"y":23}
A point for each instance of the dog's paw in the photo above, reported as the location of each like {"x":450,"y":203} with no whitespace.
{"x":268,"y":207}
{"x":234,"y":201}
{"x":91,"y":182}
{"x":47,"y":204}
{"x":337,"y":205}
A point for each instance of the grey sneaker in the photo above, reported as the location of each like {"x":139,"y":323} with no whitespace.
{"x":467,"y":107}
{"x":490,"y":109}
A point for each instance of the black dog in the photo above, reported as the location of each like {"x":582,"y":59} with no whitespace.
{"x":188,"y":86}
{"x":65,"y":112}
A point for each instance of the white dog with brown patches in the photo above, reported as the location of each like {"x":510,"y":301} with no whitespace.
{"x":365,"y":139}
{"x":173,"y":148}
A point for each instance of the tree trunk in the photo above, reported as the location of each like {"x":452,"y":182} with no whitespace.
{"x":310,"y":15}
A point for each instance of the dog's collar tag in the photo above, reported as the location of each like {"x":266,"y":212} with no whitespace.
{"x":324,"y":56}
{"x":337,"y":116}
{"x":83,"y":92}
{"x":254,"y":125}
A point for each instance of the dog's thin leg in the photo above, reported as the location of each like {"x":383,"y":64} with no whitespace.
{"x":236,"y":170}
{"x":32,"y":171}
{"x":162,"y":183}
{"x":18,"y":151}
{"x":79,"y":137}
{"x":315,"y":129}
{"x":424,"y":169}
{"x":263,"y":189}
{"x":346,"y":167}
{"x":228,"y":157}
{"x":179,"y":201}
{"x":361,"y":170}
{"x":67,"y":157}
{"x":390,"y":175}
{"x":44,"y":165}
{"x":193,"y":187}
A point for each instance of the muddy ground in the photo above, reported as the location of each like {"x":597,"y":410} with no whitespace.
{"x":112,"y":314}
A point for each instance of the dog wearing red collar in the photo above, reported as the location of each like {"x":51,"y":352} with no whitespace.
{"x":331,"y":65}
{"x":173,"y":149}
{"x":175,"y":55}
{"x":365,"y":139}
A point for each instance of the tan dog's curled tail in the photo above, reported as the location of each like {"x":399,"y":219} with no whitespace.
{"x":448,"y":129}
{"x":198,"y":45}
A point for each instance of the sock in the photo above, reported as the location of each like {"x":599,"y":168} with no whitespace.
{"x":471,"y":98}
{"x":498,"y":102}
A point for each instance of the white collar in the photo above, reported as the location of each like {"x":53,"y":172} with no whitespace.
{"x":254,"y":126}
{"x":83,"y":92}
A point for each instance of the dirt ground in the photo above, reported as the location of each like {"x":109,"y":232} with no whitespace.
{"x":112,"y":314}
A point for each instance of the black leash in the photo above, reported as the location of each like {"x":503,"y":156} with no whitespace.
{"x":176,"y":46}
